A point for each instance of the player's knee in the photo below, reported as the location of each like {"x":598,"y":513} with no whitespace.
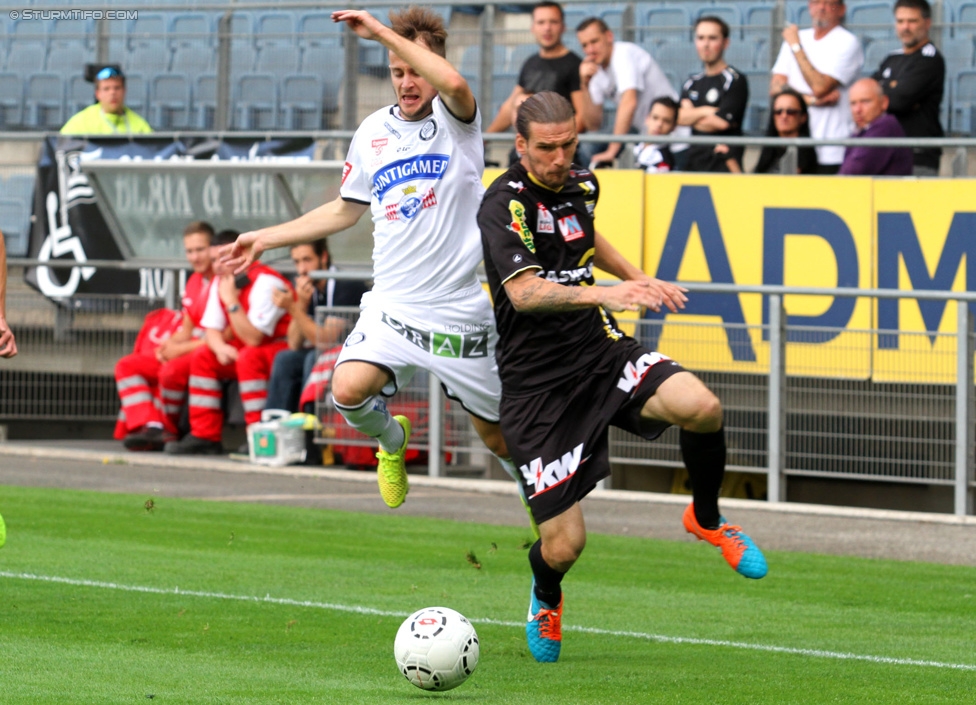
{"x":563,"y":551}
{"x":345,"y":392}
{"x":707,"y":414}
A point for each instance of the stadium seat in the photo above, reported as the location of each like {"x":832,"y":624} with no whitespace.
{"x":136,"y":92}
{"x":742,"y":55}
{"x":44,"y":101}
{"x":15,"y":226}
{"x":663,"y":22}
{"x":80,"y":94}
{"x":275,"y":28}
{"x":28,"y":31}
{"x":876,"y":52}
{"x":67,"y":59}
{"x":871,"y":20}
{"x":501,"y":87}
{"x":11,"y":100}
{"x":326,"y":61}
{"x":613,"y":16}
{"x":964,"y":102}
{"x":730,"y":13}
{"x":757,"y":110}
{"x":278,"y":59}
{"x":148,"y":26}
{"x":318,"y":28}
{"x":191,"y":29}
{"x":205,"y":102}
{"x":301,"y":102}
{"x":256,"y":103}
{"x":192,"y":59}
{"x":68,"y":31}
{"x":519,"y":54}
{"x":678,"y":56}
{"x":170,"y":101}
{"x":26,"y":57}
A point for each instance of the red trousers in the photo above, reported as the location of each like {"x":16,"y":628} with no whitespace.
{"x":150,"y":391}
{"x":252,"y":370}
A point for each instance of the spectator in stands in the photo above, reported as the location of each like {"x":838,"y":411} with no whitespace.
{"x":821,"y":62}
{"x":913,"y":79}
{"x":657,"y":158}
{"x":243,"y":331}
{"x":292,"y":367}
{"x":788,"y":117}
{"x":713,"y":102}
{"x":8,"y":346}
{"x":868,"y":106}
{"x":108,"y":115}
{"x":619,"y":71}
{"x":554,"y":68}
{"x":153,"y":379}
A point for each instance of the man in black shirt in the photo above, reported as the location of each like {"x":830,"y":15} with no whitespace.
{"x":554,"y":68}
{"x":713,"y":102}
{"x":913,"y":79}
{"x":568,"y":372}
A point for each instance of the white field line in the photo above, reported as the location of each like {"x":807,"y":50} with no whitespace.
{"x":357,"y":609}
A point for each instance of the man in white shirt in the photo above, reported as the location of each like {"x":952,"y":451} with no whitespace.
{"x":622,"y":72}
{"x":821,"y":63}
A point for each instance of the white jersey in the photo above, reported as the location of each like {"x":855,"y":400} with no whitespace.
{"x":422,"y":181}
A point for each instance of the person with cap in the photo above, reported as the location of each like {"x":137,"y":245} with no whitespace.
{"x":108,"y":115}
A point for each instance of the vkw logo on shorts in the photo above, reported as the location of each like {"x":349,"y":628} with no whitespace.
{"x":544,"y":477}
{"x":633,"y":374}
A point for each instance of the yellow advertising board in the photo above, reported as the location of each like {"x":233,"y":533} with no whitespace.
{"x":796,"y":231}
{"x":925,"y":239}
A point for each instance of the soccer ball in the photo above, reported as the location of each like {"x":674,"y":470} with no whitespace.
{"x":436,"y":648}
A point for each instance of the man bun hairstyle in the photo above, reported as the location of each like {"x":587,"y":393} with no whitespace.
{"x":421,"y":23}
{"x":545,"y":108}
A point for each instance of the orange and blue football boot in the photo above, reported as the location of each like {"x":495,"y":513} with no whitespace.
{"x":737,"y":548}
{"x":544,"y":629}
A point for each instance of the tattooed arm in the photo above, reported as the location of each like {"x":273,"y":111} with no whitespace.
{"x":532,"y":294}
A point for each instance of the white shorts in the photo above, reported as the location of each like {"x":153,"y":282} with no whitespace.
{"x":454,"y":341}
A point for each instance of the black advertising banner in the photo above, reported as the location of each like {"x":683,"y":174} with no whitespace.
{"x":151,"y":207}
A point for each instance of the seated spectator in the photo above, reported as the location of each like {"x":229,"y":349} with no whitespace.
{"x":108,"y":115}
{"x":868,"y":106}
{"x":243,"y":330}
{"x":292,"y":367}
{"x":152,"y":381}
{"x":656,"y":158}
{"x":788,"y":117}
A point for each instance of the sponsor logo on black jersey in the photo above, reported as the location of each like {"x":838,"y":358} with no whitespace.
{"x":570,"y":228}
{"x":544,"y":222}
{"x":518,"y":225}
{"x":569,"y":276}
{"x":545,"y":477}
{"x":429,"y":129}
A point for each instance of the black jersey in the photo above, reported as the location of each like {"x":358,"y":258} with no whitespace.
{"x":914,"y":86}
{"x":560,"y":75}
{"x":729,"y":92}
{"x":528,"y":227}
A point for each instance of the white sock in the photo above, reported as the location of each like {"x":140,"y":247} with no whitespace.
{"x":372,"y":418}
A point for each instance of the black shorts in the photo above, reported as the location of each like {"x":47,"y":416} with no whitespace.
{"x":558,"y":439}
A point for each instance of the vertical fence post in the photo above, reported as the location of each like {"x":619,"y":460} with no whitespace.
{"x":222,"y":114}
{"x":776,"y":412}
{"x":435,"y":426}
{"x":486,"y":68}
{"x":963,"y":500}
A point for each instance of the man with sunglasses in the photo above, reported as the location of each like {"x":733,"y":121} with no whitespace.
{"x":821,"y":63}
{"x":108,"y":115}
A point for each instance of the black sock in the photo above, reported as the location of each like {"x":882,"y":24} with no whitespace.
{"x":704,"y":456}
{"x":547,"y":578}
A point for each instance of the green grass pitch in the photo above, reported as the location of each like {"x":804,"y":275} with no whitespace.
{"x":104,"y":600}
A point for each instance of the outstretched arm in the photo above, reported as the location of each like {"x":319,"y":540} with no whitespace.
{"x":327,"y":219}
{"x":436,"y":70}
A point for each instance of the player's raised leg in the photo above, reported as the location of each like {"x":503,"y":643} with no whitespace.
{"x":685,"y":401}
{"x":356,"y":388}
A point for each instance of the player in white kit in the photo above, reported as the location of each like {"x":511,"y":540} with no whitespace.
{"x":416,"y":166}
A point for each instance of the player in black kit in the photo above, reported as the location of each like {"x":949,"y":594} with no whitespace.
{"x":567,"y":370}
{"x":913,"y":79}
